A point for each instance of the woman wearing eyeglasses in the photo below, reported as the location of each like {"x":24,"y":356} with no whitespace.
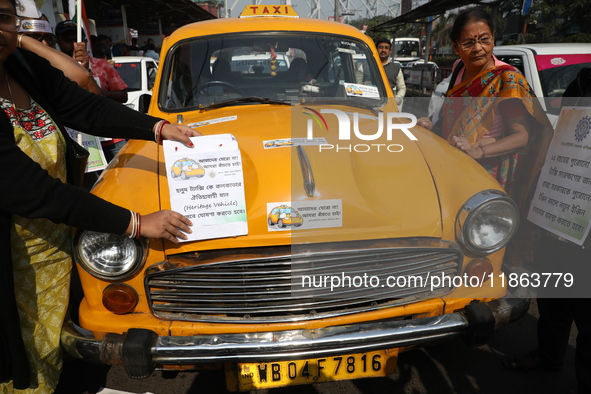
{"x":498,"y":124}
{"x":38,"y":206}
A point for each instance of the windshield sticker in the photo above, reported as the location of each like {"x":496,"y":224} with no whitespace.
{"x":206,"y":184}
{"x":346,"y":50}
{"x":304,"y":215}
{"x":358,"y":90}
{"x":213,"y":121}
{"x":287,"y":142}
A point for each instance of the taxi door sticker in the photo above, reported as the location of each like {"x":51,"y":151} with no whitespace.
{"x":288,"y":142}
{"x":359,"y":90}
{"x":304,"y":215}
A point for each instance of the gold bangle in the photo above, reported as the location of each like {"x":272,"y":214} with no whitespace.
{"x":19,"y":40}
{"x":482,"y":148}
{"x":483,"y":151}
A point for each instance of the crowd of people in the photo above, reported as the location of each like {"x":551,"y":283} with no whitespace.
{"x":508,"y":136}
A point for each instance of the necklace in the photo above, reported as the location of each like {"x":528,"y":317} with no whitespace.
{"x":18,"y":120}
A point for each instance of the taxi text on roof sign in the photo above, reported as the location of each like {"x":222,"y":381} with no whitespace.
{"x":253,"y":11}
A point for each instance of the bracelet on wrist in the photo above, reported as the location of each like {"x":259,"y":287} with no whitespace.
{"x":138,"y":219}
{"x":19,"y":40}
{"x":482,"y":148}
{"x":158,"y":131}
{"x":136,"y":224}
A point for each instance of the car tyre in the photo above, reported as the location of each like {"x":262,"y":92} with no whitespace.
{"x":184,"y":175}
{"x":280,"y":223}
{"x":270,"y":222}
{"x":172,"y":174}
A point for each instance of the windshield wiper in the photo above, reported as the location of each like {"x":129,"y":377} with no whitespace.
{"x":251,"y":99}
{"x":352,"y":103}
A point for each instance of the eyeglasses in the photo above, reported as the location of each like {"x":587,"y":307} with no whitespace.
{"x":469,"y":44}
{"x":47,"y":37}
{"x":9,"y":22}
{"x":387,"y":47}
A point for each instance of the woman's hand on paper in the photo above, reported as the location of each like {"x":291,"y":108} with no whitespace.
{"x":165,"y":224}
{"x":180,"y":133}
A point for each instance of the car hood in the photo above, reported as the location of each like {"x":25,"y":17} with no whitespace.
{"x":388,"y":193}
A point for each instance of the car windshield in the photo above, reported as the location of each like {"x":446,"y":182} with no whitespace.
{"x":131,"y":73}
{"x":555,"y":80}
{"x":277,"y":67}
{"x":406,"y":48}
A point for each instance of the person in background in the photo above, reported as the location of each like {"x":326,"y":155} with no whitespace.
{"x":133,"y":48}
{"x":558,"y":308}
{"x":39,"y":29}
{"x":393,"y":70}
{"x":114,"y":87}
{"x":36,"y":102}
{"x":146,"y":46}
{"x":505,"y":134}
{"x":109,"y":81}
{"x":108,"y":42}
{"x":299,"y":70}
{"x":152,"y":53}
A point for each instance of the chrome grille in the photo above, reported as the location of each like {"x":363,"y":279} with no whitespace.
{"x":264,"y":285}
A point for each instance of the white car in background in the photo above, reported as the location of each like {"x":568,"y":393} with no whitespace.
{"x":549,"y":69}
{"x":139,"y":73}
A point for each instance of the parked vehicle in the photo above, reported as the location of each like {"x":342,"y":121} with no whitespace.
{"x":406,"y":49}
{"x":385,"y":207}
{"x":421,"y":74}
{"x":549,"y":69}
{"x":139,"y":73}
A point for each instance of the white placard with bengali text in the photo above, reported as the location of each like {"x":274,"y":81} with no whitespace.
{"x":304,"y":215}
{"x":562,"y":200}
{"x":207,"y":185}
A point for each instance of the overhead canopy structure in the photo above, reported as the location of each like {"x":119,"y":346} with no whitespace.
{"x":432,"y":8}
{"x":145,"y":15}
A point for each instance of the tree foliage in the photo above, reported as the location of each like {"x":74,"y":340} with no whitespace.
{"x":559,"y":21}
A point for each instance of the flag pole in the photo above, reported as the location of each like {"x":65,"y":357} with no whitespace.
{"x":79,"y":20}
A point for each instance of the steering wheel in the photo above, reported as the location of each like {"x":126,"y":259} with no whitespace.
{"x":202,"y":88}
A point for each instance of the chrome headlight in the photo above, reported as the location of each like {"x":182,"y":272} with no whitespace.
{"x":109,"y":256}
{"x":487,"y":222}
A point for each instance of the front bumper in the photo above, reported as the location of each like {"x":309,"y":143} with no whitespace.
{"x":140,"y":350}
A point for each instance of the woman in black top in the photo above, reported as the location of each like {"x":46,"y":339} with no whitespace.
{"x":38,"y":206}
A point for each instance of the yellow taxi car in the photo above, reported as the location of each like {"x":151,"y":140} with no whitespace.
{"x":284,"y":216}
{"x":396,"y":249}
{"x":186,"y":168}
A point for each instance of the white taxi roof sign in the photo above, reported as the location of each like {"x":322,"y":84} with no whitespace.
{"x":257,"y":11}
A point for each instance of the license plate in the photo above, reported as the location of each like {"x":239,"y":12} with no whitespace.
{"x":254,"y":376}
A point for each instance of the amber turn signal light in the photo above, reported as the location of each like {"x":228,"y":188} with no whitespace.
{"x":480,"y":267}
{"x":119,"y":298}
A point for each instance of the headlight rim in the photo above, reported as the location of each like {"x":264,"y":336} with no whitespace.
{"x":142,"y":245}
{"x":471,"y":205}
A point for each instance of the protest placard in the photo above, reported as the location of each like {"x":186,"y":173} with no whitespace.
{"x":96,"y":159}
{"x":207,"y":185}
{"x":562,"y":200}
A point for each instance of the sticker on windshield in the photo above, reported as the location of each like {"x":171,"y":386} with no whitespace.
{"x":287,"y":142}
{"x":358,"y":90}
{"x":212,"y":121}
{"x":347,"y":50}
{"x":303,"y":215}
